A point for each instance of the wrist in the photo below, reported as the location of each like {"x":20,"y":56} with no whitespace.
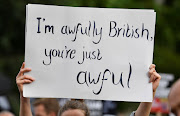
{"x":24,"y":98}
{"x":154,"y":92}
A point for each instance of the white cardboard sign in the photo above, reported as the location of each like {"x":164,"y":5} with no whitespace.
{"x":89,"y":53}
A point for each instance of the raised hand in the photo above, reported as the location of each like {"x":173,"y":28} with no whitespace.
{"x":22,"y":79}
{"x":154,"y":77}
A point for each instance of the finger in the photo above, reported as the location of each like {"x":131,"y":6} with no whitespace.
{"x":25,"y":70}
{"x":151,"y":71}
{"x":152,"y":66}
{"x":154,"y":78}
{"x":25,"y":81}
{"x":22,"y":71}
{"x":22,"y":66}
{"x":157,"y":76}
{"x":156,"y":81}
{"x":151,"y":78}
{"x":26,"y":77}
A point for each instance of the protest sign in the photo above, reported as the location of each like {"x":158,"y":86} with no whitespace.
{"x":89,"y":53}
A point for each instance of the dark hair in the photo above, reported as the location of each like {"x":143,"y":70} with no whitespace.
{"x":50,"y":104}
{"x":74,"y":104}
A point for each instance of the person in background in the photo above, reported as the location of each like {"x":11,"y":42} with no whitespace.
{"x":174,"y":98}
{"x":74,"y":108}
{"x":6,"y":113}
{"x":25,"y":109}
{"x":46,"y":107}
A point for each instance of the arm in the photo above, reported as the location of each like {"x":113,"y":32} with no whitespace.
{"x":145,"y":107}
{"x":25,"y":107}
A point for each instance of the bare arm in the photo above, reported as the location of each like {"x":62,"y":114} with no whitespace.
{"x":145,"y":107}
{"x":25,"y":107}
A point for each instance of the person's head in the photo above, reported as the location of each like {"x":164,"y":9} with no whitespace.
{"x":46,"y":107}
{"x":74,"y":108}
{"x":6,"y":113}
{"x":174,"y":98}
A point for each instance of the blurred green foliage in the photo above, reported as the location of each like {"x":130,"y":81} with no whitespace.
{"x":12,"y":33}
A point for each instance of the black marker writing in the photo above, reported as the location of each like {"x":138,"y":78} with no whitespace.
{"x":128,"y":31}
{"x":85,"y":77}
{"x":63,"y":54}
{"x":91,"y":31}
{"x":47,"y":28}
{"x":91,"y":55}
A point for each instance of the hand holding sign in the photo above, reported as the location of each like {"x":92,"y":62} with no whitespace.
{"x":22,"y":79}
{"x":154,"y":77}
